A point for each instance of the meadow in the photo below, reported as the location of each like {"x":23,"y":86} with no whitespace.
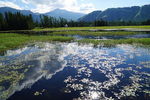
{"x":13,"y":40}
{"x":112,"y":42}
{"x":90,"y":28}
{"x":88,"y":33}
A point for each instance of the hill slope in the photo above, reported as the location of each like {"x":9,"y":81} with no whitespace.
{"x":134,"y":13}
{"x":36,"y":16}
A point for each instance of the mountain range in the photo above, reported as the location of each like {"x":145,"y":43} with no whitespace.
{"x":36,"y":16}
{"x":55,"y":13}
{"x":135,"y":13}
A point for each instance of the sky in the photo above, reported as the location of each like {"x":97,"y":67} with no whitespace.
{"x":82,"y":6}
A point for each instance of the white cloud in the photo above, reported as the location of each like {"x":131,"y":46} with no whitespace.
{"x":24,"y":1}
{"x":43,"y":6}
{"x":87,"y":8}
{"x":9,"y":4}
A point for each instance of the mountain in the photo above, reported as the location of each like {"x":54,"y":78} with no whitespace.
{"x":134,"y":13}
{"x":8,"y":9}
{"x":65,"y":14}
{"x":35,"y":16}
{"x":144,"y":13}
{"x":90,"y":17}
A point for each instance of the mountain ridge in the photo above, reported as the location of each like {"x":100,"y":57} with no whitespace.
{"x":55,"y":13}
{"x":134,"y":13}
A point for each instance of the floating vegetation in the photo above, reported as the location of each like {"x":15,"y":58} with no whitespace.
{"x":10,"y":76}
{"x":37,"y":93}
{"x":91,"y":72}
{"x":21,"y":70}
{"x":85,"y":59}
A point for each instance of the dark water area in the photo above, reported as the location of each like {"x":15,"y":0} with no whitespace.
{"x":138,"y":35}
{"x":68,"y":71}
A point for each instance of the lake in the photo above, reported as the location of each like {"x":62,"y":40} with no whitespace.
{"x":69,"y":71}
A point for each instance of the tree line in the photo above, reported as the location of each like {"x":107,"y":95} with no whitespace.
{"x":18,"y":21}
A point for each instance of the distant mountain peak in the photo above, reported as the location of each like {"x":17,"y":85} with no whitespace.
{"x":58,"y":9}
{"x":64,"y":14}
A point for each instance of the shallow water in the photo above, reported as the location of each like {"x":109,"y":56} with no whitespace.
{"x":138,"y":35}
{"x":68,"y":71}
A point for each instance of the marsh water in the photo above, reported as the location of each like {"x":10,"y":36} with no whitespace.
{"x":69,"y":71}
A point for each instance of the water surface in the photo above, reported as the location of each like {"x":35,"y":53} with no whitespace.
{"x":68,"y":71}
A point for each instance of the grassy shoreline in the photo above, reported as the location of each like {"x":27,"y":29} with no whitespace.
{"x":112,"y":42}
{"x":13,"y":40}
{"x":87,"y":33}
{"x":88,"y":28}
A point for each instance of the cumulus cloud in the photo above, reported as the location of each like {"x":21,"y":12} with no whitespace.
{"x":9,"y":4}
{"x":87,"y":8}
{"x":43,"y":6}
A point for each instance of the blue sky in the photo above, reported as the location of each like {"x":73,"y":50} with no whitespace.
{"x":83,"y":6}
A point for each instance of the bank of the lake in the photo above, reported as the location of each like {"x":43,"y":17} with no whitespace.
{"x":102,"y":33}
{"x":112,"y":42}
{"x":13,"y":40}
{"x":91,"y":28}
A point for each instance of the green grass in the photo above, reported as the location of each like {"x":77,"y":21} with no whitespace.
{"x":87,"y":33}
{"x":87,"y":28}
{"x":144,"y":41}
{"x":12,"y":40}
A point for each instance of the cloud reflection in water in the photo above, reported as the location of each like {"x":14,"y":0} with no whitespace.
{"x":117,"y":71}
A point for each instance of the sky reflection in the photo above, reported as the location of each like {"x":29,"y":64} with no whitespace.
{"x":100,"y":73}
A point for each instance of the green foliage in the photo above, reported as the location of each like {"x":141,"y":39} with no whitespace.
{"x":126,"y":14}
{"x":100,"y":23}
{"x":16,"y":21}
{"x":144,"y":41}
{"x":90,"y":28}
{"x":52,"y":22}
{"x":12,"y":40}
{"x":146,"y":22}
{"x":87,"y":33}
